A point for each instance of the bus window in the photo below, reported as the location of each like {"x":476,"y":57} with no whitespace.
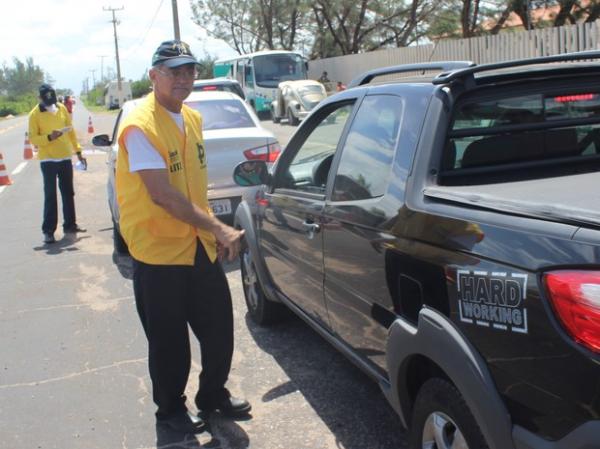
{"x":249,"y":76}
{"x":239,"y":73}
{"x":270,"y":70}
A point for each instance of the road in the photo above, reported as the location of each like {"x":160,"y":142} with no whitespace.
{"x":73,"y":371}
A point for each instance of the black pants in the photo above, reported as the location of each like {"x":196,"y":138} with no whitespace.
{"x":62,"y":170}
{"x":168,"y":297}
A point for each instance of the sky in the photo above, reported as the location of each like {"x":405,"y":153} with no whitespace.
{"x":67,"y":38}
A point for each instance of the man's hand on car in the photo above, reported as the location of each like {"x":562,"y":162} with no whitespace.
{"x":228,"y":242}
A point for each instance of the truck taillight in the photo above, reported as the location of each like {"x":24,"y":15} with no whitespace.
{"x":267,"y":153}
{"x":575,"y":298}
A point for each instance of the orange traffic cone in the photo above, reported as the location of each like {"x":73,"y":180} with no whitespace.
{"x":28,"y":150}
{"x":4,"y":179}
{"x":90,"y":126}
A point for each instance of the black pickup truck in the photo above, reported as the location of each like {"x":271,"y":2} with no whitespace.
{"x":443,"y":232}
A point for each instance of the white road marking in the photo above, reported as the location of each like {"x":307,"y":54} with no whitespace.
{"x":2,"y":188}
{"x":19,"y":168}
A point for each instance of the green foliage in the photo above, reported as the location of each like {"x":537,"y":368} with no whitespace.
{"x":94,"y":97}
{"x":249,"y":26}
{"x":19,"y":86}
{"x":141,"y":87}
{"x":205,"y":69}
{"x":17,"y":105}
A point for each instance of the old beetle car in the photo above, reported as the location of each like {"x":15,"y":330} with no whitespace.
{"x":444,"y":235}
{"x":295,"y":99}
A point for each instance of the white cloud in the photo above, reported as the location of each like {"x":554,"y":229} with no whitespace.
{"x":67,"y":37}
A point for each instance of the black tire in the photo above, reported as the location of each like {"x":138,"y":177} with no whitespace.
{"x":118,"y":242}
{"x":274,"y":117}
{"x":292,"y":120}
{"x":262,"y":311}
{"x":439,"y":405}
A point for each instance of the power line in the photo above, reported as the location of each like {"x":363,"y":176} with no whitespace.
{"x":141,"y":41}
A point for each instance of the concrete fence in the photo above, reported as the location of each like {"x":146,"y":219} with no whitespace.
{"x":485,"y":49}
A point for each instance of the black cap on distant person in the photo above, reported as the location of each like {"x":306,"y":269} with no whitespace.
{"x":47,"y":94}
{"x":173,"y":54}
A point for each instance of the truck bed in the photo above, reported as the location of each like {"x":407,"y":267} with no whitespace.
{"x":569,"y":199}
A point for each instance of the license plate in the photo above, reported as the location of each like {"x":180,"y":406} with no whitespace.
{"x":220,"y":207}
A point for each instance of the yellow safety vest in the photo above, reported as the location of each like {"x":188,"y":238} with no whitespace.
{"x":152,"y":234}
{"x":41,"y":124}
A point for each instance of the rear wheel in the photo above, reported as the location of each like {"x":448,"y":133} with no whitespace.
{"x":442,"y":420}
{"x":261,"y":310}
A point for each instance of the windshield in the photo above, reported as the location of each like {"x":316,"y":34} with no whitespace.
{"x":222,"y":114}
{"x":270,"y":70}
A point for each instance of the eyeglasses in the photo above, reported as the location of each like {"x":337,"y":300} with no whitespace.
{"x":183,"y":73}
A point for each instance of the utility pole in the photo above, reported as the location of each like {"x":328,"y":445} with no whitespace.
{"x":114,"y":22}
{"x":175,"y":20}
{"x":93,"y":71}
{"x":102,"y":67}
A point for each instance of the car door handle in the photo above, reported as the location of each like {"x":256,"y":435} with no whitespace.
{"x":311,"y":228}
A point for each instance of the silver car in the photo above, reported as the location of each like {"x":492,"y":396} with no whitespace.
{"x":295,"y":100}
{"x":232,"y":134}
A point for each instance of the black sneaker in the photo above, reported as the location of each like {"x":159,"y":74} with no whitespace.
{"x":49,"y":237}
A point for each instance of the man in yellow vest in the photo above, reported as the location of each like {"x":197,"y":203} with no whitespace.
{"x":51,"y":130}
{"x":175,"y":242}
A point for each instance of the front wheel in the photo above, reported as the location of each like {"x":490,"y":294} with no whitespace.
{"x":261,"y":310}
{"x":442,"y":420}
{"x":274,"y":117}
{"x":292,"y":120}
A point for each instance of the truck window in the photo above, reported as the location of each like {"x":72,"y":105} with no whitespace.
{"x":368,"y":152}
{"x":532,"y":129}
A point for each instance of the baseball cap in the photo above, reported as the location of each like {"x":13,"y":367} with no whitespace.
{"x":47,"y":94}
{"x":173,"y":54}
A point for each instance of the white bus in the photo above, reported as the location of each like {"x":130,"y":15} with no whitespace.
{"x":260,"y":73}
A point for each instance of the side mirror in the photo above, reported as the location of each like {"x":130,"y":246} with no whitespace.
{"x":102,"y":140}
{"x":251,"y":173}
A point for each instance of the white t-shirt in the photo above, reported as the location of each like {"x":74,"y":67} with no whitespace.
{"x":142,"y":154}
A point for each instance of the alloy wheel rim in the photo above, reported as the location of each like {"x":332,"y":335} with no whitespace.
{"x":441,"y":432}
{"x":250,"y":281}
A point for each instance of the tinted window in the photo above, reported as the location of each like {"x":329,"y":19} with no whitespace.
{"x":309,"y":168}
{"x":480,"y":136}
{"x":368,"y":152}
{"x":271,"y":69}
{"x":222,"y":114}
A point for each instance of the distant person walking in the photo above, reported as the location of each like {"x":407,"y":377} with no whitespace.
{"x":69,"y":102}
{"x":324,"y":78}
{"x":340,"y":86}
{"x":175,"y":242}
{"x":51,"y":130}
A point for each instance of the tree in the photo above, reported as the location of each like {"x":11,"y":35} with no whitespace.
{"x":348,"y":26}
{"x":249,"y":26}
{"x":24,"y":78}
{"x":141,"y":87}
{"x":206,"y":65}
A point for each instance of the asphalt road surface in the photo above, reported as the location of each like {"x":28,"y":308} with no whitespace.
{"x":73,"y":362}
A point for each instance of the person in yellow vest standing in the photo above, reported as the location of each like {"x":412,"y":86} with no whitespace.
{"x":176,"y":244}
{"x":51,"y":130}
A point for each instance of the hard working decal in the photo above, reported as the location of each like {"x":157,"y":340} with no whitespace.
{"x":493,"y":299}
